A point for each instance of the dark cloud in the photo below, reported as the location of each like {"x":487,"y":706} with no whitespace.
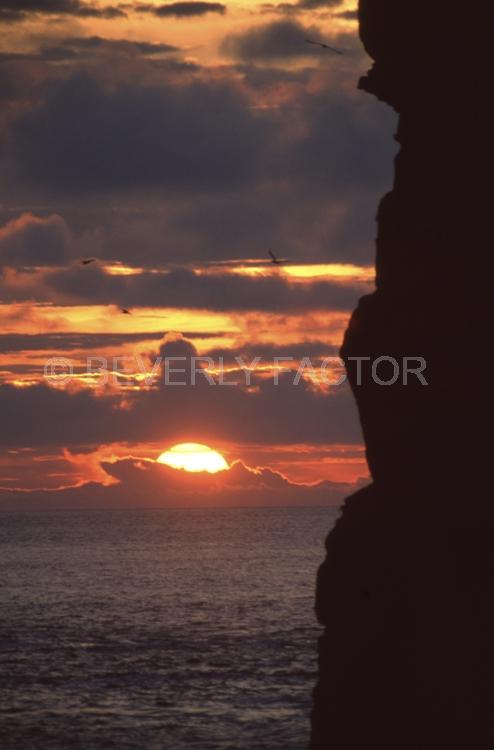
{"x":181,"y":9}
{"x":40,"y":415}
{"x":315,"y":350}
{"x":84,"y":137}
{"x":161,"y":486}
{"x":317,"y":4}
{"x":77,"y":52}
{"x":12,"y":11}
{"x":300,"y":6}
{"x":97,"y":42}
{"x":290,"y":39}
{"x":272,"y":414}
{"x":358,"y":160}
{"x":262,"y":78}
{"x":192,"y":163}
{"x":34,"y":241}
{"x":279,"y":39}
{"x":60,"y":342}
{"x":182,"y":288}
{"x":349,"y":15}
{"x":300,"y":218}
{"x":76,"y":48}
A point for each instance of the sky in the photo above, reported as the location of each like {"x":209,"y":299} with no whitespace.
{"x":176,"y":144}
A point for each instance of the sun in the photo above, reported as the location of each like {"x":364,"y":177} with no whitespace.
{"x":193,"y":457}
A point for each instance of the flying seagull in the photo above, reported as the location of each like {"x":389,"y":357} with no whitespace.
{"x":325,"y":46}
{"x":274,"y":259}
{"x":87,"y":261}
{"x":125,"y":312}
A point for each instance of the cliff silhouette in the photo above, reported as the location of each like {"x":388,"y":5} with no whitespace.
{"x":406,"y":590}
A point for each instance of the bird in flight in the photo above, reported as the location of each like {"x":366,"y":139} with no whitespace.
{"x":87,"y":261}
{"x":274,"y":259}
{"x":325,"y":46}
{"x":125,"y":312}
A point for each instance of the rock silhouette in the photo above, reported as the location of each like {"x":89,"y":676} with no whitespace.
{"x":406,"y":590}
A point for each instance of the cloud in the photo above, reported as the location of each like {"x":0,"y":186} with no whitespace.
{"x":288,"y":39}
{"x":187,"y":162}
{"x":181,"y":9}
{"x":77,"y":53}
{"x":301,"y":217}
{"x":84,"y":136}
{"x":300,"y":6}
{"x":141,"y":483}
{"x":34,"y":241}
{"x":358,"y":160}
{"x":21,"y":342}
{"x":348,"y":15}
{"x":279,"y":39}
{"x":264,"y":79}
{"x":286,"y":413}
{"x":40,"y":415}
{"x":316,"y":350}
{"x":12,"y":11}
{"x":316,"y":4}
{"x":77,"y":48}
{"x":15,"y":11}
{"x":185,"y":289}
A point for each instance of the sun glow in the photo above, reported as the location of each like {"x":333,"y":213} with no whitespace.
{"x":193,"y":457}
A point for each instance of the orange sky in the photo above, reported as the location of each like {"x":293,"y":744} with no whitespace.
{"x":93,"y":119}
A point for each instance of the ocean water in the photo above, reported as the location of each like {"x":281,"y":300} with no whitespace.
{"x":169,"y":629}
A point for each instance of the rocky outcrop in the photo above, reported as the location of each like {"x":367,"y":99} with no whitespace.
{"x":406,"y":591}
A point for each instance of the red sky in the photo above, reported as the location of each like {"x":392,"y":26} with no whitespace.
{"x":177,"y":149}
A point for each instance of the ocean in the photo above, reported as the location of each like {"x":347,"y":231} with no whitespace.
{"x":169,"y":629}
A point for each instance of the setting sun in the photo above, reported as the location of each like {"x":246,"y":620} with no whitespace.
{"x":193,"y":457}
